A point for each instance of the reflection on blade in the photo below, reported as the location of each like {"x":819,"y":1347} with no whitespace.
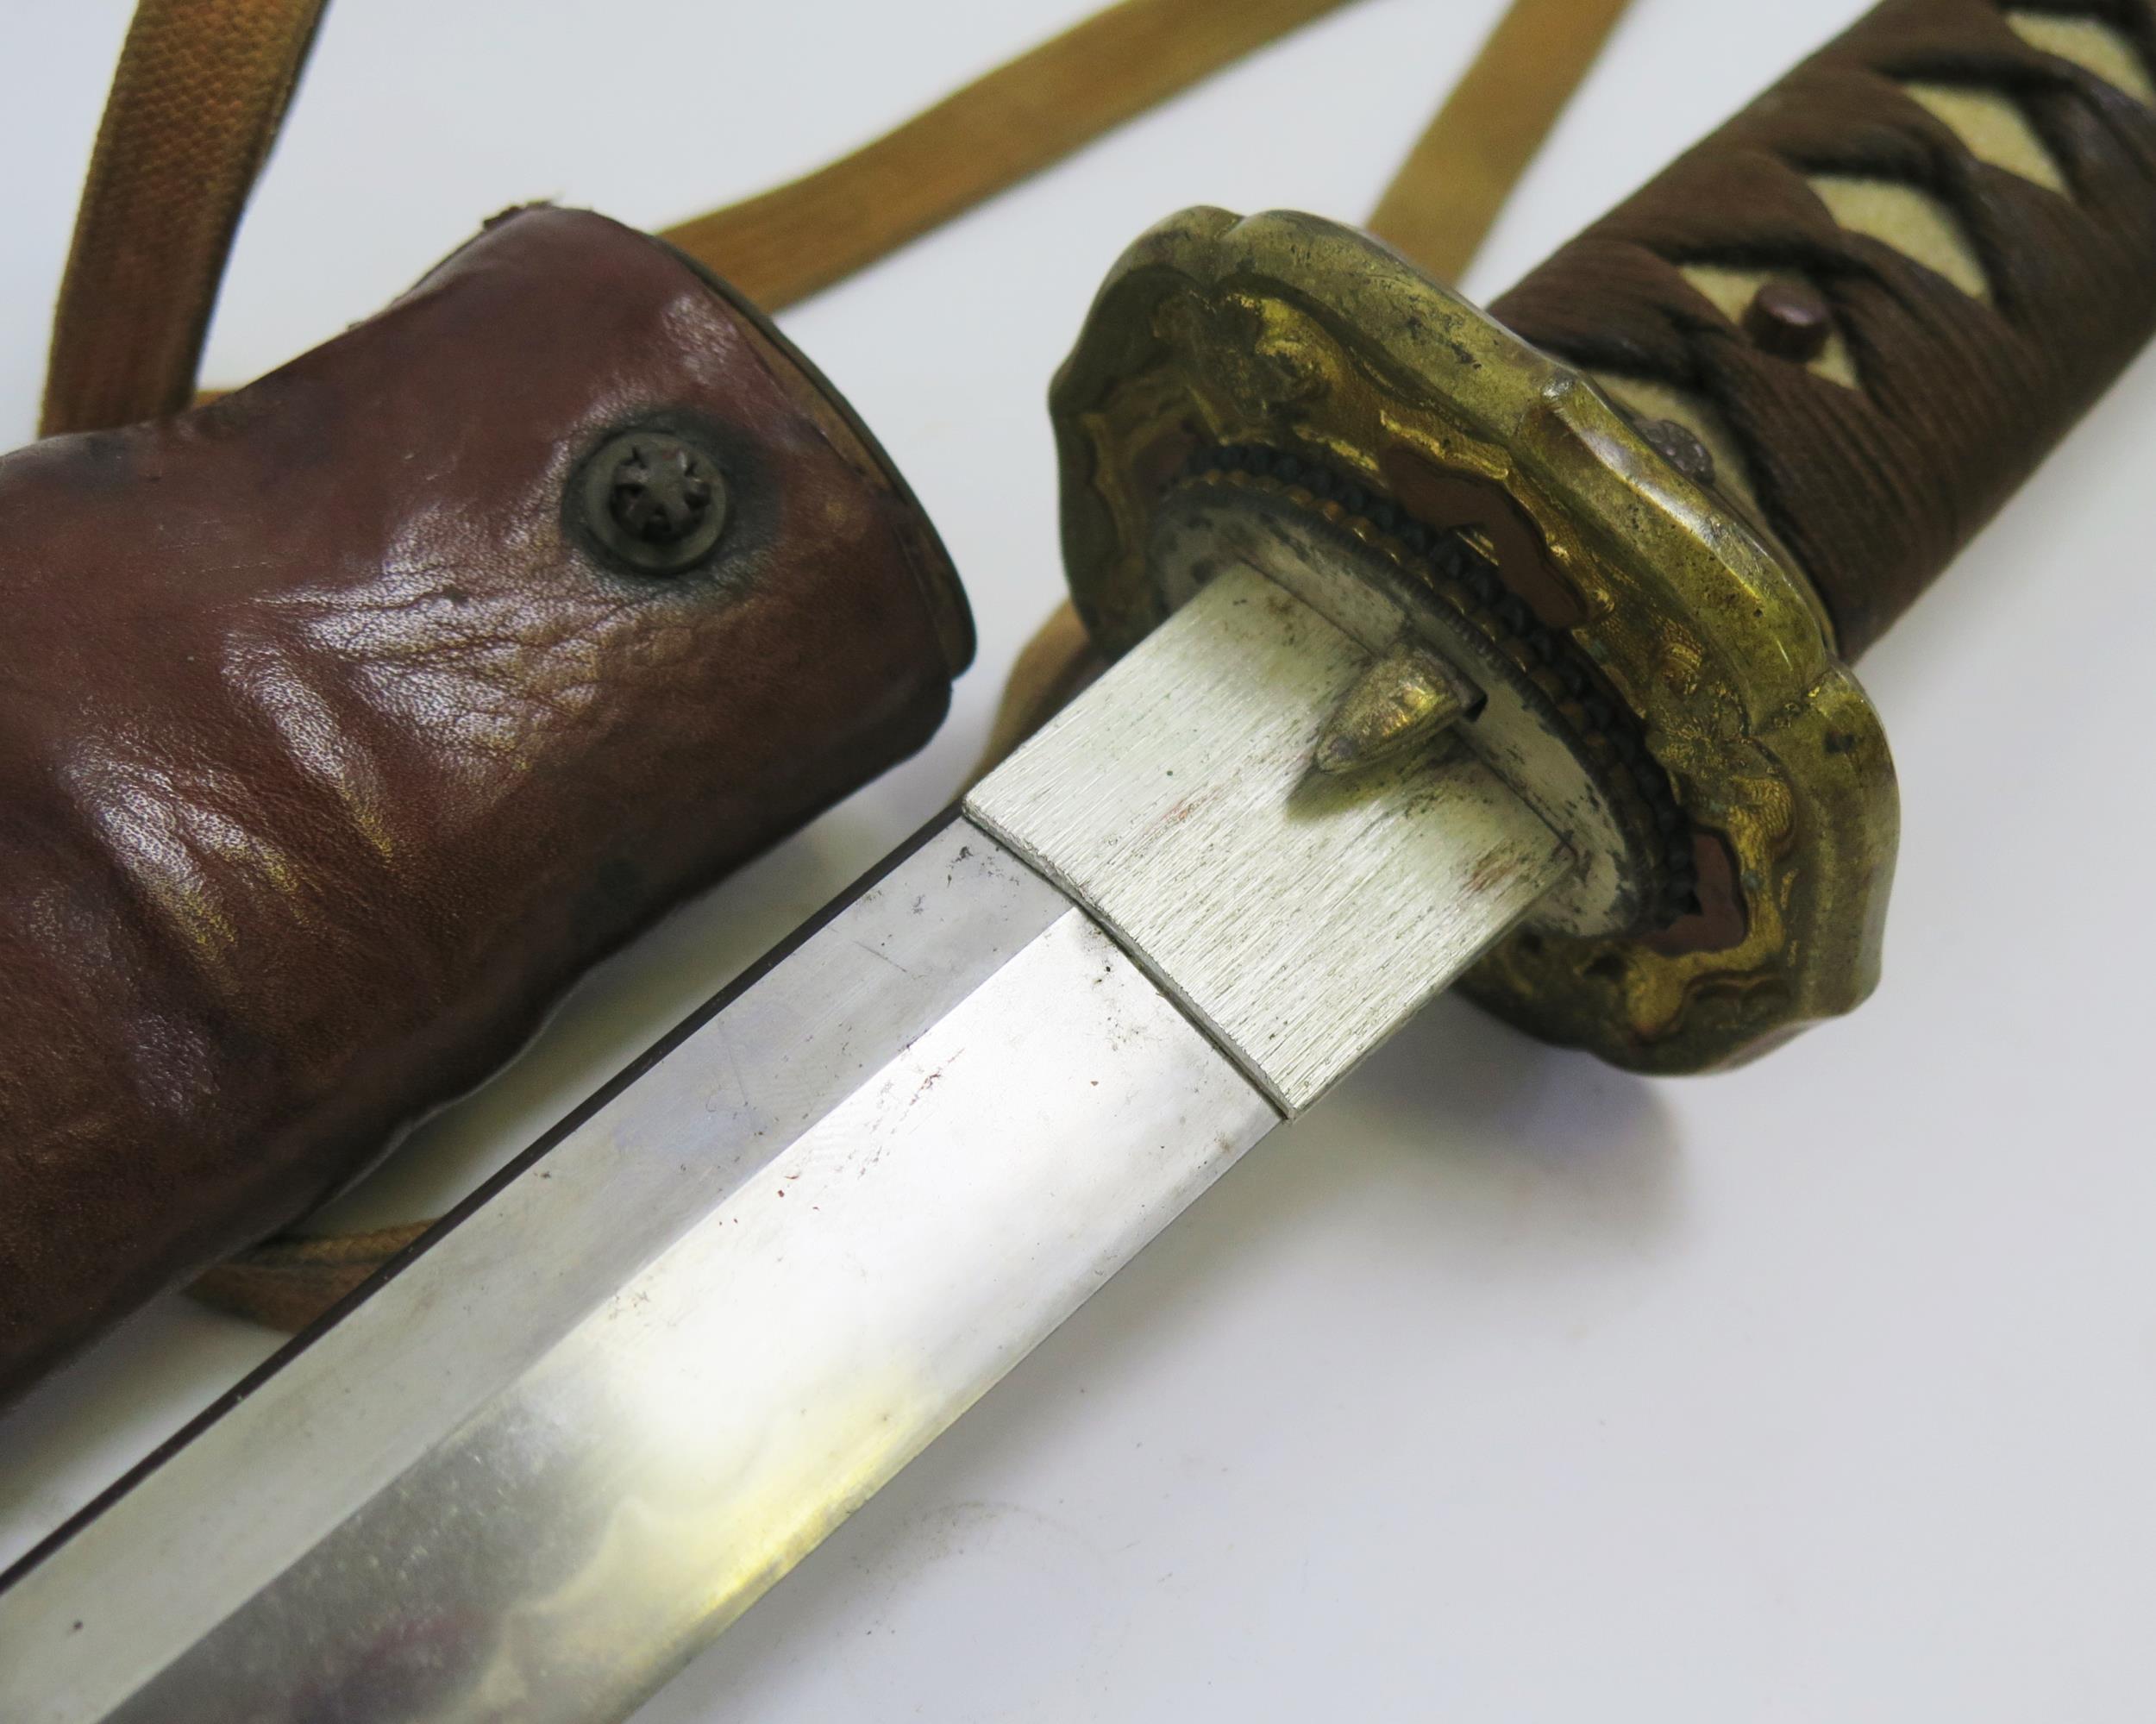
{"x":575,"y":1541}
{"x":528,"y":1476}
{"x":851,"y":1284}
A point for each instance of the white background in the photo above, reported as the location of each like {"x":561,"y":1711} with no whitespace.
{"x":1505,"y":1386}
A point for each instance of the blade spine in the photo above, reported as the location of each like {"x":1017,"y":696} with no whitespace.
{"x":489,"y":1188}
{"x":148,"y":1684}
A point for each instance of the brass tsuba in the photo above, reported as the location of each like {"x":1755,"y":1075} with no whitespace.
{"x":1293,"y":333}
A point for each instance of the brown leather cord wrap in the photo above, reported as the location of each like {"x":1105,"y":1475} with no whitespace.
{"x":332,"y":746}
{"x":195,"y":103}
{"x":1968,"y":191}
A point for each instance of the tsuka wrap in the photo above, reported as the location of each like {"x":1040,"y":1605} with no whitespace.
{"x":2014,"y":146}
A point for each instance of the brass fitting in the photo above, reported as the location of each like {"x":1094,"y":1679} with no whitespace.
{"x":1295,"y":333}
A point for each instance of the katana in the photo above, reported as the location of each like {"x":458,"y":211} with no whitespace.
{"x":1505,"y":647}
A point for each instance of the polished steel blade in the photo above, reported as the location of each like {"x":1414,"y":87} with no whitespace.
{"x":530,"y":1474}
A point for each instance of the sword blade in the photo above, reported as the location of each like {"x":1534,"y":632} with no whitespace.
{"x":532,"y":1473}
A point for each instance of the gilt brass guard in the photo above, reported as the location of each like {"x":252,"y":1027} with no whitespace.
{"x":1289,"y":330}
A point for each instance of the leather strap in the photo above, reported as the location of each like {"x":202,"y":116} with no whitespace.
{"x":195,"y":103}
{"x":1871,"y":303}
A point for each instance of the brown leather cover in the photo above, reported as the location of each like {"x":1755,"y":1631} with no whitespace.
{"x":1957,"y":393}
{"x":329,"y":755}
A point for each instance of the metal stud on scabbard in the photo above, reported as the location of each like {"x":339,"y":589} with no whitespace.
{"x":651,"y":500}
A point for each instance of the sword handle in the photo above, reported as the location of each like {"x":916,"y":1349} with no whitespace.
{"x":1871,"y":303}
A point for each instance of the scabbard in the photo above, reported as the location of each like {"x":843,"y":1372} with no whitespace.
{"x":347,"y":720}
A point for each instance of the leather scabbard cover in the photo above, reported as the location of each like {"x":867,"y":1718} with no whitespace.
{"x":1967,"y":189}
{"x":330,"y":755}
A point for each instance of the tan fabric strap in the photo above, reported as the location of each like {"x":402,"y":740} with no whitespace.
{"x":203,"y":84}
{"x":288,"y":1281}
{"x":1003,"y":128}
{"x":1442,"y":202}
{"x":195,"y":103}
